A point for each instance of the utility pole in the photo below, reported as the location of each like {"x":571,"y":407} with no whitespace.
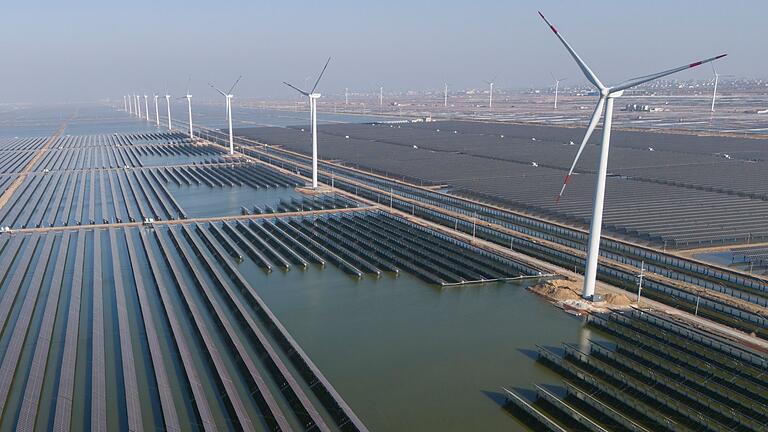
{"x":698,"y":296}
{"x":640,"y":281}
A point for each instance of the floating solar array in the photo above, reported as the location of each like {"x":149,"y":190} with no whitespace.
{"x":128,"y":329}
{"x":321,"y":202}
{"x":112,"y":325}
{"x":756,"y":258}
{"x":230,"y":174}
{"x":87,"y":197}
{"x":658,"y":375}
{"x":666,"y":189}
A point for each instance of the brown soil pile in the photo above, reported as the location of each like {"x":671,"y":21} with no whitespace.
{"x":556,"y":290}
{"x":617,"y":299}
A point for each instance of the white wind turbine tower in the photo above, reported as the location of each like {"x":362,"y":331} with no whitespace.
{"x":146,"y":107}
{"x":346,"y":95}
{"x":157,"y":110}
{"x":445,"y":96}
{"x":228,"y":96}
{"x":381,"y":97}
{"x":189,"y":109}
{"x":138,"y":105}
{"x":313,"y":97}
{"x":188,"y":97}
{"x":125,"y":104}
{"x":130,"y":104}
{"x":714,"y":92}
{"x":557,"y":86}
{"x":168,"y":106}
{"x":607,"y":95}
{"x":490,"y":93}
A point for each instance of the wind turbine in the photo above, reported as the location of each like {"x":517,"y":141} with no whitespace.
{"x":228,"y":96}
{"x":157,"y":110}
{"x":130,"y":104}
{"x":445,"y":96}
{"x":490,"y":93}
{"x":313,"y":97}
{"x":146,"y":108}
{"x":714,"y":92}
{"x":346,"y":95}
{"x":381,"y":97}
{"x":557,"y":86}
{"x":138,"y":105}
{"x":189,"y":110}
{"x":168,"y":105}
{"x":607,"y":95}
{"x":125,"y":104}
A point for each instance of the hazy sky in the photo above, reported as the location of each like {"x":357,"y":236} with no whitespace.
{"x":86,"y":50}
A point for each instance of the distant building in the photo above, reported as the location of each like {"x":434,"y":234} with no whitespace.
{"x":637,"y":107}
{"x":640,"y":108}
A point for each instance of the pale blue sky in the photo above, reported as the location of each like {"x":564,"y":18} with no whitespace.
{"x":85,"y":50}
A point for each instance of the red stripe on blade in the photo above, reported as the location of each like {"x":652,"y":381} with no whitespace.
{"x":694,"y":64}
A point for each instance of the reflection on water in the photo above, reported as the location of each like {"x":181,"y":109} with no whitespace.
{"x":408,"y":356}
{"x":204,"y":201}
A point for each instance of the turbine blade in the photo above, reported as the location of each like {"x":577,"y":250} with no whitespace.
{"x":217,"y":89}
{"x":583,"y":66}
{"x":321,"y":75}
{"x":644,"y":79}
{"x":233,"y":85}
{"x":592,"y":124}
{"x":296,"y":88}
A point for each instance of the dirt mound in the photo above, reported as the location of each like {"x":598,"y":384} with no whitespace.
{"x":556,"y":290}
{"x":617,"y":299}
